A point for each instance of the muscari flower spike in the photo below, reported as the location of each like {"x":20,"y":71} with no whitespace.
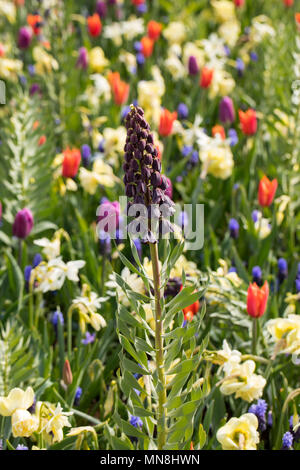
{"x":144,"y":183}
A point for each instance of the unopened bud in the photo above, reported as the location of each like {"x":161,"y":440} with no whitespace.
{"x":67,"y":373}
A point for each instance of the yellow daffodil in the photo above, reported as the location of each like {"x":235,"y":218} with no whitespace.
{"x":239,"y":433}
{"x":286,"y":333}
{"x":242,"y":381}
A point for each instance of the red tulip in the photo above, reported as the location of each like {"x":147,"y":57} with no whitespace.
{"x":71,"y":162}
{"x":257,"y":299}
{"x":248,"y":121}
{"x":266,"y":191}
{"x":154,"y":29}
{"x":297,"y":18}
{"x":166,"y":122}
{"x":191,"y":310}
{"x":120,"y":89}
{"x":94,"y":25}
{"x":206,"y":77}
{"x":239,"y":3}
{"x":288,"y":3}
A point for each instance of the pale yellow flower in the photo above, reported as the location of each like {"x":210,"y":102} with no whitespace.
{"x":10,"y":68}
{"x":218,"y":160}
{"x":97,"y":59}
{"x":52,"y":420}
{"x":182,"y":264}
{"x":224,"y":10}
{"x":23,"y":423}
{"x":101,"y":174}
{"x":286,"y":333}
{"x":134,"y":281}
{"x":191,"y":49}
{"x":239,"y":433}
{"x":8,"y":9}
{"x":16,"y":399}
{"x":81,"y":429}
{"x":44,"y":62}
{"x":222,"y":83}
{"x":230,"y":31}
{"x":243,"y":382}
{"x":175,"y":32}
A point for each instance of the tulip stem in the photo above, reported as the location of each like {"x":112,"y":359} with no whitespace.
{"x":162,"y":395}
{"x":20,"y":250}
{"x":254,"y":335}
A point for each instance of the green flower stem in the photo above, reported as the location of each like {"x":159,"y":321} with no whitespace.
{"x":20,"y":251}
{"x":162,"y":395}
{"x":254,"y":335}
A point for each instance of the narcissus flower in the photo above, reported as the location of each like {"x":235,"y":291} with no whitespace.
{"x":94,"y":25}
{"x":206,"y":77}
{"x":166,"y":122}
{"x":16,"y":405}
{"x":248,"y":121}
{"x":119,"y":88}
{"x":257,"y":299}
{"x":239,"y":433}
{"x":286,"y":333}
{"x":71,"y":162}
{"x":266,"y":191}
{"x":23,"y":223}
{"x":154,"y":29}
{"x":241,"y":380}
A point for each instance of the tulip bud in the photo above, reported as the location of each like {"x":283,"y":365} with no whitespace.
{"x":193,"y":66}
{"x":166,"y":122}
{"x":206,"y":77}
{"x":226,"y":110}
{"x":23,"y":223}
{"x":71,"y":162}
{"x":94,"y":25}
{"x":266,"y":191}
{"x":67,"y":373}
{"x":24,"y":37}
{"x":257,"y":299}
{"x":82,"y":61}
{"x":248,"y":121}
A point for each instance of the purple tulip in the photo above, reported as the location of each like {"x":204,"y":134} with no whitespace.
{"x":24,"y":37}
{"x":101,"y":9}
{"x":35,"y":88}
{"x":110,"y":213}
{"x":193,"y":66}
{"x":226,"y":111}
{"x":23,"y":223}
{"x":82,"y":61}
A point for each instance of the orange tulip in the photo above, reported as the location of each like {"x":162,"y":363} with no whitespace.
{"x":147,"y":46}
{"x":248,"y":121}
{"x":94,"y":25}
{"x":119,"y":88}
{"x":217,"y":129}
{"x":166,"y":122}
{"x":266,"y":191}
{"x":71,"y":162}
{"x":297,"y":18}
{"x":288,"y":3}
{"x":206,"y":77}
{"x":35,"y":21}
{"x":257,"y":299}
{"x":154,"y":29}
